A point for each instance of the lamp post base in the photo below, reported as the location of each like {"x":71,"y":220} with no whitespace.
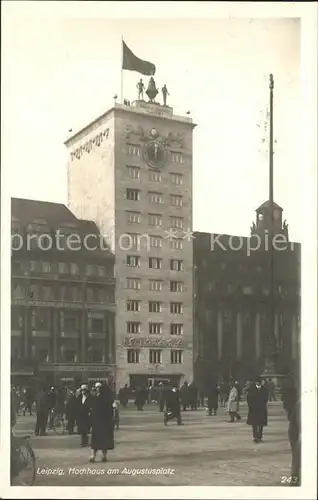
{"x":270,"y":372}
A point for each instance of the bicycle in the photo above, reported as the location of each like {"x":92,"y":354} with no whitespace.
{"x":58,"y":424}
{"x":22,"y":461}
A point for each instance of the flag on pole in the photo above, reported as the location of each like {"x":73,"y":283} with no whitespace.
{"x":133,"y":63}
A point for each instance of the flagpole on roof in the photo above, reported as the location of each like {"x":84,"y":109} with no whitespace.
{"x":122,"y":72}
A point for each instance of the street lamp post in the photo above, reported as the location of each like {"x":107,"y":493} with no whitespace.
{"x":271,"y":348}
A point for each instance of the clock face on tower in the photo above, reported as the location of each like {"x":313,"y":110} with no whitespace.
{"x":155,"y":154}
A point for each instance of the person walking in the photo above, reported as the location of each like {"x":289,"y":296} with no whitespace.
{"x":193,"y":396}
{"x":84,"y":414}
{"x":71,"y":411}
{"x":123,"y":395}
{"x":184,"y":396}
{"x":257,"y":398}
{"x":234,"y":403}
{"x":141,"y":397}
{"x":161,"y":397}
{"x":223,"y":394}
{"x":271,"y":390}
{"x":292,"y":405}
{"x":42,"y":412}
{"x":172,"y":406}
{"x":213,"y":398}
{"x":102,"y":422}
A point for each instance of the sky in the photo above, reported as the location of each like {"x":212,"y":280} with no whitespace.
{"x":60,"y":72}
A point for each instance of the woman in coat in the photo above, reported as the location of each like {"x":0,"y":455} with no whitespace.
{"x":257,"y":398}
{"x":102,"y":422}
{"x":213,"y":399}
{"x":234,"y":403}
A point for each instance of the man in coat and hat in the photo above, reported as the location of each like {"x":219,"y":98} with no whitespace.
{"x":102,"y":422}
{"x":172,"y":406}
{"x":213,"y":399}
{"x":84,"y":414}
{"x":257,"y":398}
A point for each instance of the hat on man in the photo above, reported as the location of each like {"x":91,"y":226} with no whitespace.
{"x":98,"y":384}
{"x":84,"y":387}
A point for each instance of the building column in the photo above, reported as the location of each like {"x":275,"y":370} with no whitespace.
{"x":25,"y":332}
{"x":84,"y":327}
{"x":110,"y":338}
{"x":258,"y":336}
{"x":56,"y":333}
{"x":294,"y":340}
{"x":220,"y":334}
{"x":239,"y":335}
{"x":276,"y":328}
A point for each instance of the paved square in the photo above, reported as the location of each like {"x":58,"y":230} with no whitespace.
{"x":205,"y":451}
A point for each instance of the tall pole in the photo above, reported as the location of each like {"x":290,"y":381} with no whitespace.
{"x":271,"y":338}
{"x":122,"y":72}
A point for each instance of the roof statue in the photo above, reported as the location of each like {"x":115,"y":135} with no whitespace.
{"x":152,"y":90}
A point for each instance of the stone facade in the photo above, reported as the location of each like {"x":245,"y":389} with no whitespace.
{"x":63,"y":301}
{"x":98,"y":184}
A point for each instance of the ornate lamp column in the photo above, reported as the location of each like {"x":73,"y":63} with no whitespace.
{"x":271,"y":348}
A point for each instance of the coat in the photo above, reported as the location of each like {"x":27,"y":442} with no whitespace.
{"x":257,"y":406}
{"x":102,"y":421}
{"x":213,"y":397}
{"x":184,"y":394}
{"x":84,"y":414}
{"x":233,"y":404}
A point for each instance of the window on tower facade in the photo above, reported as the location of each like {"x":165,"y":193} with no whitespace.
{"x":176,"y":286}
{"x":155,"y":307}
{"x":154,"y":176}
{"x":176,"y":329}
{"x":176,"y":244}
{"x":133,"y":150}
{"x":177,"y":158}
{"x":155,"y":356}
{"x":133,"y":283}
{"x":133,"y":327}
{"x":133,"y":356}
{"x":133,"y":260}
{"x":176,"y":307}
{"x":154,"y":197}
{"x":155,"y":285}
{"x":133,"y":217}
{"x":155,"y":328}
{"x":133,"y":172}
{"x":176,"y":265}
{"x":176,"y":222}
{"x":155,"y":220}
{"x":133,"y":305}
{"x":132,"y":194}
{"x":156,"y":241}
{"x":176,"y":357}
{"x":176,"y":200}
{"x":177,"y":179}
{"x":155,"y":263}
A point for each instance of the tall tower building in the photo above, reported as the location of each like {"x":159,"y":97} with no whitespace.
{"x":130,"y":171}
